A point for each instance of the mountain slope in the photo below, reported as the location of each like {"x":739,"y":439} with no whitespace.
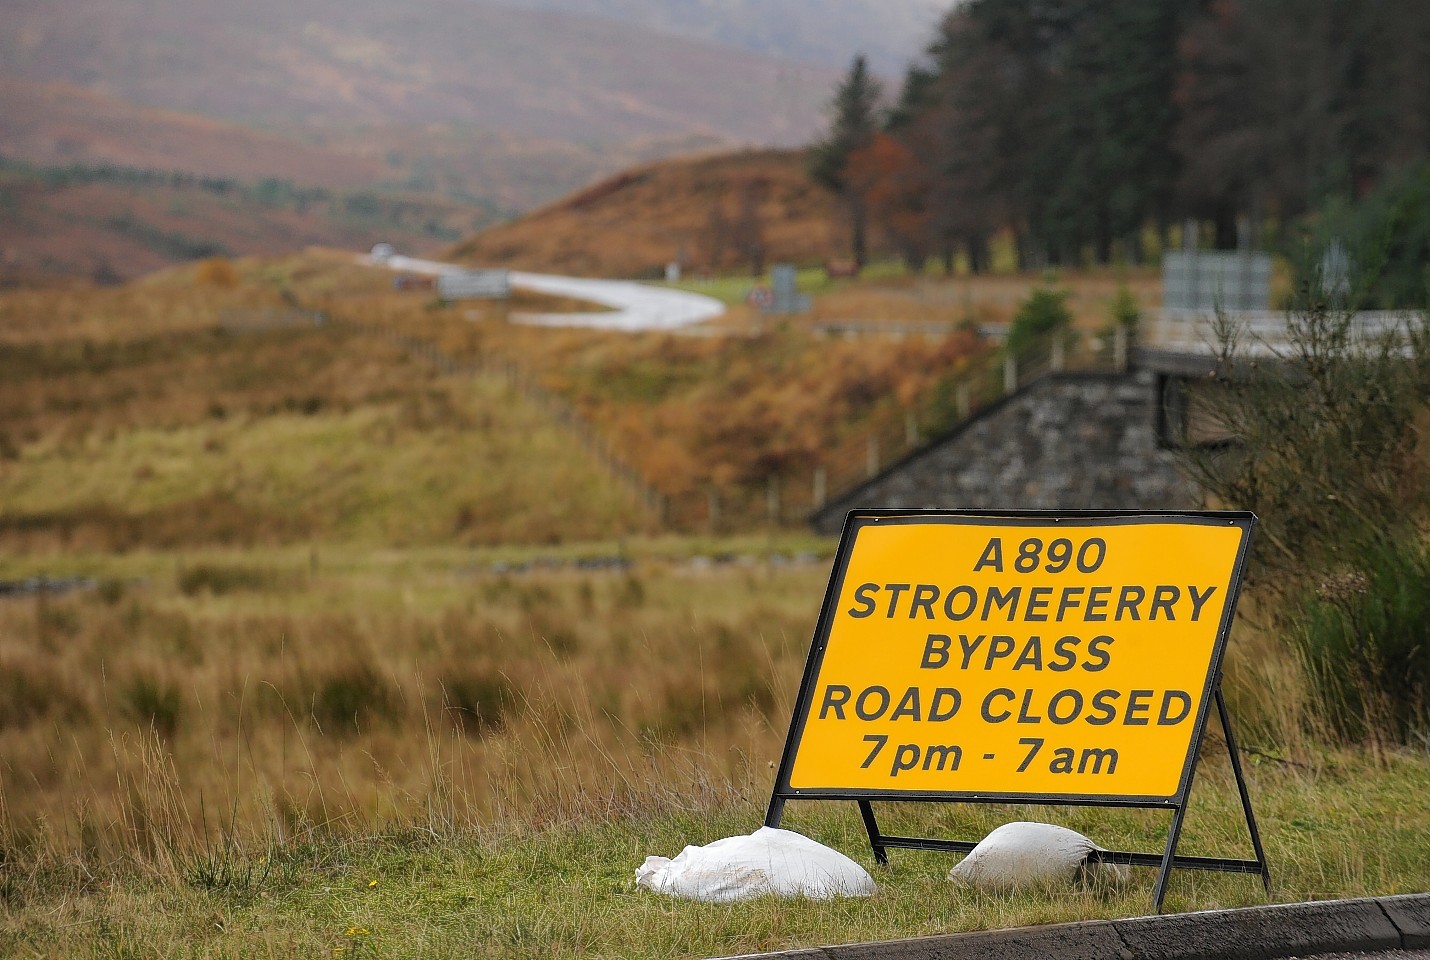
{"x":414,"y":122}
{"x":634,"y":223}
{"x":111,"y":223}
{"x":890,"y":32}
{"x":338,"y":63}
{"x":54,"y":124}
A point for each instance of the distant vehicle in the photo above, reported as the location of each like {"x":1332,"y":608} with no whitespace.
{"x":382,"y":252}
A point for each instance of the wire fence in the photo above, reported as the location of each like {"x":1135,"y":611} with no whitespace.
{"x":781,"y":498}
{"x":518,"y":380}
{"x":792,"y":495}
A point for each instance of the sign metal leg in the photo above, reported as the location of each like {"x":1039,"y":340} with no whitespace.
{"x":1241,"y":789}
{"x":776,"y":811}
{"x":866,"y":810}
{"x":1165,"y":871}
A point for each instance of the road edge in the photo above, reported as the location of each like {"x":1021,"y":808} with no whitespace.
{"x":1248,"y":933}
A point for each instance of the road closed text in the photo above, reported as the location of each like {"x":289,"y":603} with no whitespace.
{"x":1132,"y":708}
{"x":979,"y":657}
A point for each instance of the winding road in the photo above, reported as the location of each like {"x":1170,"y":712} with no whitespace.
{"x":634,"y":306}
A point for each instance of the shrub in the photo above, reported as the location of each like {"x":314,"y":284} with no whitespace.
{"x":1365,"y":633}
{"x":153,"y":704}
{"x":354,"y":699}
{"x":32,"y":692}
{"x":216,"y":272}
{"x":1323,"y":440}
{"x":477,"y":700}
{"x":55,"y":619}
{"x":1043,"y":313}
{"x":111,"y":590}
{"x":1325,"y":447}
{"x":1125,"y":312}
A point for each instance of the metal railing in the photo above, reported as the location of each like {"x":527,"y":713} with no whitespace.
{"x":1260,"y":333}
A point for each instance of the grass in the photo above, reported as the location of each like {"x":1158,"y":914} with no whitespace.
{"x":222,"y":759}
{"x":126,"y":425}
{"x":312,"y":677}
{"x":730,"y":418}
{"x":360,"y":674}
{"x":343,"y":475}
{"x":566,"y":890}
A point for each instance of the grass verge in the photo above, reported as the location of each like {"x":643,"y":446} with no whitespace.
{"x":1339,"y":828}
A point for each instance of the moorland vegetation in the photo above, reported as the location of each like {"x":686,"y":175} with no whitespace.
{"x":378,"y":649}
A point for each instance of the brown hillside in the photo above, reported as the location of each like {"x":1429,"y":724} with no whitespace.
{"x":58,"y":224}
{"x":336,"y":64}
{"x":55,"y":124}
{"x":698,"y":208}
{"x":62,"y":125}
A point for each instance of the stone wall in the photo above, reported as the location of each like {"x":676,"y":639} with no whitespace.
{"x":1066,"y":441}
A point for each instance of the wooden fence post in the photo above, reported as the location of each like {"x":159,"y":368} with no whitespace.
{"x":871,"y":459}
{"x":821,"y":482}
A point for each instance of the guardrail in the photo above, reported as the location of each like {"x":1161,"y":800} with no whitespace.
{"x":1260,"y":333}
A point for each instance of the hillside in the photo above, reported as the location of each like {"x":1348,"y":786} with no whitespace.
{"x":59,"y":124}
{"x":324,"y":65}
{"x":442,"y":116}
{"x":107,"y":224}
{"x":178,"y":411}
{"x":634,"y":223}
{"x":83,"y":175}
{"x":889,"y":32}
{"x":311,"y":648}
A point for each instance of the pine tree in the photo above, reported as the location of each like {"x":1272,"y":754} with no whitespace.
{"x":1110,"y":164}
{"x":855,"y":121}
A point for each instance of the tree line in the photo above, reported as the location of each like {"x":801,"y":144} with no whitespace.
{"x":1078,"y":126}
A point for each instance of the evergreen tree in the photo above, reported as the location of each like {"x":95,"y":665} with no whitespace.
{"x":855,"y":121}
{"x":1075,"y":124}
{"x":1110,"y":114}
{"x":972,"y":121}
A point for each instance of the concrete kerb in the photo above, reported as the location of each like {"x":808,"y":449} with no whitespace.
{"x":1411,"y":916}
{"x":1252,"y":933}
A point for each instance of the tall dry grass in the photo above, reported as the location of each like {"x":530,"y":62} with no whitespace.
{"x":137,"y":418}
{"x":750,"y":422}
{"x":201,"y":699}
{"x":245,"y":703}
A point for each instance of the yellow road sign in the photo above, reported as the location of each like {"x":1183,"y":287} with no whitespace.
{"x":1032,"y":657}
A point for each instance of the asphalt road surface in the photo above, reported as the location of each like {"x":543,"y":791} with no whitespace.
{"x":633,"y":306}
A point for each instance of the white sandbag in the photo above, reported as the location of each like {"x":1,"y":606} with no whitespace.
{"x":1032,"y":854}
{"x":768,"y":861}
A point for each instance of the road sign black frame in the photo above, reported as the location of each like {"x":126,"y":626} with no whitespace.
{"x":1176,"y":803}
